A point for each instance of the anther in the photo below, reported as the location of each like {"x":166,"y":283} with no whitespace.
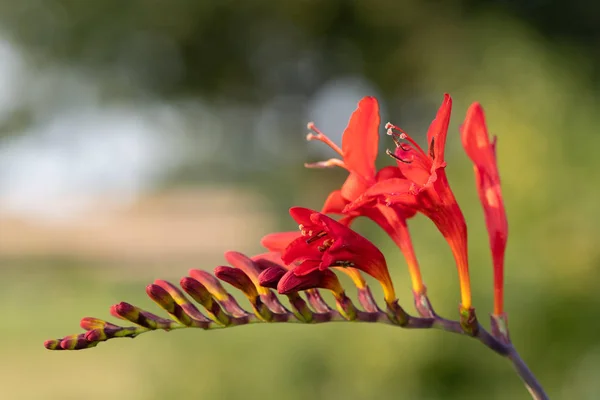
{"x":432,"y":149}
{"x":389,"y":153}
{"x":315,"y":237}
{"x":344,"y":264}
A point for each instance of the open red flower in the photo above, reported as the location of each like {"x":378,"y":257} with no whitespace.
{"x":424,"y":188}
{"x":360,"y":143}
{"x":476,"y":142}
{"x":326,"y":243}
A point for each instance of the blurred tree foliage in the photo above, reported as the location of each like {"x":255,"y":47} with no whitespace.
{"x":252,"y":50}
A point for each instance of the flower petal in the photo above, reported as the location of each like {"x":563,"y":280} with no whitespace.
{"x":299,"y":250}
{"x":302,"y":215}
{"x":335,"y":203}
{"x":277,"y":242}
{"x":436,"y":135}
{"x":354,"y":186}
{"x":394,"y":187}
{"x":388,"y":173}
{"x":360,"y":141}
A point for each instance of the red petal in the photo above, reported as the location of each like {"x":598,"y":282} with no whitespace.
{"x":335,"y":203}
{"x":360,"y":141}
{"x":278,"y":241}
{"x":438,"y":130}
{"x":269,"y":259}
{"x":390,"y":187}
{"x":388,"y":173}
{"x":306,"y":267}
{"x":299,"y":250}
{"x":394,"y":188}
{"x":353,"y":187}
{"x":331,"y":226}
{"x":302,"y":215}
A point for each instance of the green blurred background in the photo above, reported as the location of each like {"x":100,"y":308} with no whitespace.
{"x":142,"y":138}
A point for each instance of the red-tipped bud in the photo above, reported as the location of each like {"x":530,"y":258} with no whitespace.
{"x":140,"y":317}
{"x":166,"y":302}
{"x":200,"y":294}
{"x":76,"y":342}
{"x":277,"y":242}
{"x":482,"y":152}
{"x":53,"y":344}
{"x":238,"y":279}
{"x":196,"y":290}
{"x":271,"y":276}
{"x":210,"y":282}
{"x":181,"y":300}
{"x":250,"y":268}
{"x":89,"y":323}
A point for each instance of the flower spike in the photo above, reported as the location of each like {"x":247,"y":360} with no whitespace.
{"x":299,"y":264}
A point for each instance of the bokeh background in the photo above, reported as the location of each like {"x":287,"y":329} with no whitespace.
{"x":142,"y":138}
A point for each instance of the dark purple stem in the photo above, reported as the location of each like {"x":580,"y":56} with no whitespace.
{"x":499,"y":342}
{"x":531,"y":383}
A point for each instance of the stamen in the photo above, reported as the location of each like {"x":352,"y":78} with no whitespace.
{"x":320,"y":136}
{"x":389,"y":153}
{"x":344,"y":264}
{"x":404,"y":136}
{"x":332,"y":162}
{"x":315,"y":237}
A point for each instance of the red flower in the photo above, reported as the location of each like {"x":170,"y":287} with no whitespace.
{"x":326,"y":243}
{"x":425,"y":189}
{"x":360,"y":143}
{"x":477,"y":145}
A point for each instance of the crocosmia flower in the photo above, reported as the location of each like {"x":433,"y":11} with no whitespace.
{"x":360,"y":144}
{"x":424,"y":188}
{"x":301,"y":264}
{"x":477,"y":145}
{"x":325,"y":243}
